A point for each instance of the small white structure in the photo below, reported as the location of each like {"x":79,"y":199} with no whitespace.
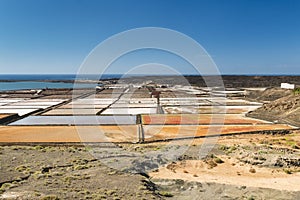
{"x":287,"y":86}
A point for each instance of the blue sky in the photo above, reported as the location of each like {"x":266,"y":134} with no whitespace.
{"x":242,"y":36}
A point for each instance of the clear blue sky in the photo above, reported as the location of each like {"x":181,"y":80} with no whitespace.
{"x":243,"y":36}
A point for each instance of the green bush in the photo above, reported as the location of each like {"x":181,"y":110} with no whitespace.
{"x":50,"y":197}
{"x":166,"y":194}
{"x":296,"y":91}
{"x":218,"y":160}
{"x":288,"y":171}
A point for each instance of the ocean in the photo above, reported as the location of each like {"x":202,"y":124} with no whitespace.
{"x":24,"y":85}
{"x":42,"y":81}
{"x":52,"y":77}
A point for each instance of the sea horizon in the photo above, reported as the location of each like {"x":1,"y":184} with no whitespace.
{"x":73,"y":77}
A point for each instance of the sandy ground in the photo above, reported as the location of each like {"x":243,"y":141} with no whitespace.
{"x":238,"y":162}
{"x":231,"y":173}
{"x":251,"y":166}
{"x":35,"y":172}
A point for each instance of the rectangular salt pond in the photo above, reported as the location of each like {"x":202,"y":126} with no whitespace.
{"x":93,"y":101}
{"x":59,"y":134}
{"x":208,"y":109}
{"x":129,"y":111}
{"x":136,"y":105}
{"x":128,"y":101}
{"x":237,"y":102}
{"x":157,"y":132}
{"x":8,"y":100}
{"x":20,"y":112}
{"x":189,"y":119}
{"x":137,"y":101}
{"x":74,"y":111}
{"x":188,"y":99}
{"x":76,"y":120}
{"x":12,"y":106}
{"x":81,"y":106}
{"x":46,"y":100}
{"x":181,"y":103}
{"x":33,"y":103}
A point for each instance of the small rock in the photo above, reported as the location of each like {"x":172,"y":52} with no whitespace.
{"x":252,"y":170}
{"x":242,"y":187}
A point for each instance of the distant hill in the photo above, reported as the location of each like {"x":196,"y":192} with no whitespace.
{"x":283,"y":110}
{"x":269,"y":94}
{"x":235,"y":81}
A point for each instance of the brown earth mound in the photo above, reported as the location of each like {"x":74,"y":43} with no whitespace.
{"x":235,"y":81}
{"x":269,"y":94}
{"x":284,"y":110}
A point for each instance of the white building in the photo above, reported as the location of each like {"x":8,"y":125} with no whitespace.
{"x":287,"y":86}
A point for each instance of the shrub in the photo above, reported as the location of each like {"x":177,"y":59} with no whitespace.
{"x":288,"y":171}
{"x":218,"y":160}
{"x":252,"y":170}
{"x":211,"y":164}
{"x":50,"y":197}
{"x":166,"y":194}
{"x":251,"y":198}
{"x":296,"y":91}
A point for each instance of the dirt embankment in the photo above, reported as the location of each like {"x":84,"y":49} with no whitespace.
{"x":282,"y":110}
{"x":269,"y":94}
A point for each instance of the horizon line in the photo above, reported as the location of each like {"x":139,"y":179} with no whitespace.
{"x":225,"y":74}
